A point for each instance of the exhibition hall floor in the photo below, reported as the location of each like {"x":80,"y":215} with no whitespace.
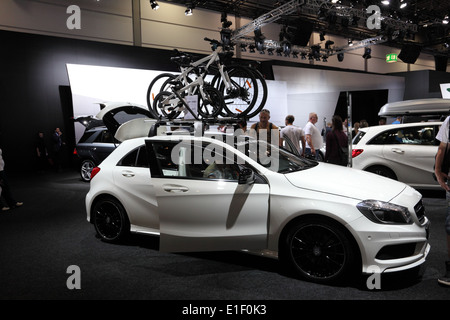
{"x":42,"y":241}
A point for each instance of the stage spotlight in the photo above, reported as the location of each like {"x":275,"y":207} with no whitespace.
{"x":270,"y":51}
{"x":340,"y":56}
{"x":243,"y":47}
{"x":154,"y":4}
{"x":328,"y":44}
{"x":286,"y":48}
{"x":303,"y":56}
{"x":188,"y":11}
{"x":322,"y":36}
{"x":367,"y":52}
{"x":315,"y":51}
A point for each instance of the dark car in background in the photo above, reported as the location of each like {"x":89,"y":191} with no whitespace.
{"x":97,"y":142}
{"x":92,"y":148}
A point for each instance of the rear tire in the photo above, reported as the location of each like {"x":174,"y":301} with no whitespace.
{"x":110,"y":219}
{"x":383,"y":171}
{"x":85,"y":169}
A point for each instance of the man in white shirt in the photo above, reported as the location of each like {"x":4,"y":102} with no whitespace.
{"x":294,"y":133}
{"x":442,"y":178}
{"x":313,"y":137}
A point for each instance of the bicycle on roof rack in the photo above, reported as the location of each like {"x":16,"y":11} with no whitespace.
{"x":241,"y":87}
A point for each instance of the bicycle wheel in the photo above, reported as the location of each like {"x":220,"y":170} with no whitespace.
{"x":167,"y":105}
{"x":262,"y":94}
{"x":158,"y":84}
{"x":241,"y":96}
{"x":210,"y":102}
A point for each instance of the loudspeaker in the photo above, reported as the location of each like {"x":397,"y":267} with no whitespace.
{"x":440,"y":63}
{"x":409,"y":53}
{"x":299,"y":33}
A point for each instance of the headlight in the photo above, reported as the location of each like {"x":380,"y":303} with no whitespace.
{"x":384,"y":212}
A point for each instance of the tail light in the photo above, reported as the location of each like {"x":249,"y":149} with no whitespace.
{"x":75,"y":151}
{"x":94,"y":172}
{"x":356,"y":152}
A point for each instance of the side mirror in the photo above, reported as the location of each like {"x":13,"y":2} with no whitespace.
{"x":246,"y":176}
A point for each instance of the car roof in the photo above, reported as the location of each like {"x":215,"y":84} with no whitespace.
{"x":380,"y":128}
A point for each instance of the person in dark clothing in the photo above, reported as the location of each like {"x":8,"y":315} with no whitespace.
{"x":7,"y":200}
{"x":58,"y":149}
{"x":335,"y":140}
{"x":41,"y":152}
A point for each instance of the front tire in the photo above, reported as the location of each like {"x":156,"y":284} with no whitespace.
{"x":317,"y":250}
{"x":110,"y":220}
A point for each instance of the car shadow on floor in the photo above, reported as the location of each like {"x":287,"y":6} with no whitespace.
{"x":236,"y":261}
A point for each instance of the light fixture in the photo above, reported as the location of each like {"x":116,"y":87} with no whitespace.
{"x":350,"y":42}
{"x":402,"y":4}
{"x":328,"y":44}
{"x":315,"y":51}
{"x":270,"y":51}
{"x":188,"y":11}
{"x":322,"y":36}
{"x":340,"y":56}
{"x":303,"y":56}
{"x":154,"y":4}
{"x":445,"y":21}
{"x":385,"y":2}
{"x":367,"y":52}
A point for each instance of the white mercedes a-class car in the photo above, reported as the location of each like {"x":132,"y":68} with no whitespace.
{"x":201,"y":193}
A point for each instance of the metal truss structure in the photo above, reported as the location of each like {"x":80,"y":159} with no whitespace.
{"x":313,"y":7}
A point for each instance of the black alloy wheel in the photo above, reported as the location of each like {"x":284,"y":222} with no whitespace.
{"x":318,"y":250}
{"x":110,"y":220}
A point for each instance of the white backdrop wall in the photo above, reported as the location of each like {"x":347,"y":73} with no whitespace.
{"x":314,"y":90}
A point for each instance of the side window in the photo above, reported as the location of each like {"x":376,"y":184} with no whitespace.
{"x":191,"y":161}
{"x":107,"y":137}
{"x":423,"y":135}
{"x":382,"y":138}
{"x":136,"y":158}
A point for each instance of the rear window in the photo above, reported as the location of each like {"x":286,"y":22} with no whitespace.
{"x":86,"y":136}
{"x":358,"y":137}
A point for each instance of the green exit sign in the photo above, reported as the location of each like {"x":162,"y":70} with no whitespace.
{"x":391,"y":57}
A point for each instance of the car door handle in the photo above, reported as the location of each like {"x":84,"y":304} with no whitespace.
{"x":175,"y":188}
{"x":397,"y":150}
{"x":128,"y":173}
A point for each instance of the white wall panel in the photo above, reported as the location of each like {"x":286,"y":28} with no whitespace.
{"x":50,"y":18}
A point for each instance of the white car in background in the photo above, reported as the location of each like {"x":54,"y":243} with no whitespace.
{"x":403,"y":152}
{"x":173,"y":186}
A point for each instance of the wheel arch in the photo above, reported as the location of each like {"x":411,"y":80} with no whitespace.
{"x":314,"y":216}
{"x":383,"y":167}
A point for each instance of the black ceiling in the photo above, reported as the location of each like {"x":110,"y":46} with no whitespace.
{"x":430,"y":33}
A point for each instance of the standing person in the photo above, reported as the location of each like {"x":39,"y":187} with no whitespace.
{"x":334,"y":141}
{"x":241,"y":125}
{"x":355,"y":129}
{"x":58,"y":146}
{"x":9,"y":201}
{"x":363,"y":124}
{"x":313,"y":138}
{"x":398,"y":120}
{"x":41,"y":152}
{"x":294,"y":133}
{"x":264,"y":126}
{"x":442,"y":178}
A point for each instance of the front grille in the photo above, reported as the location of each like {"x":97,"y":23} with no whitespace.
{"x":419,"y":209}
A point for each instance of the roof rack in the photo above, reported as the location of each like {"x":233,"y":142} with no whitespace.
{"x":196,"y":127}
